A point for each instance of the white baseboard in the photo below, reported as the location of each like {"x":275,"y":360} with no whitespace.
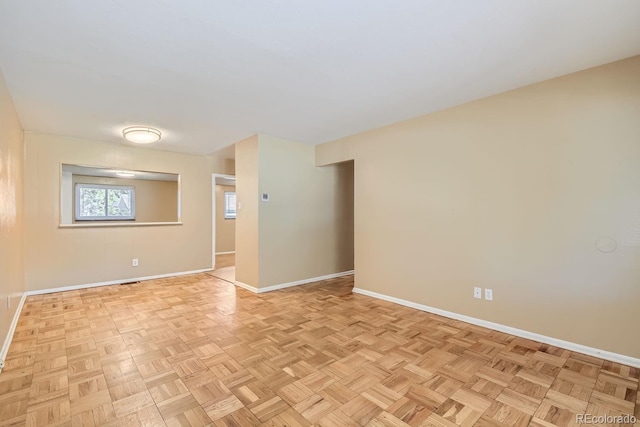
{"x":304,"y":281}
{"x":225,"y":253}
{"x":114,"y":282}
{"x":12,"y":329}
{"x":291,"y":284}
{"x":579,"y":348}
{"x":247,"y":287}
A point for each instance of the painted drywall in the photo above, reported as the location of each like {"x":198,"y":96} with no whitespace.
{"x":58,"y":257}
{"x":246,"y":171}
{"x":306,"y":227}
{"x":305,"y":230}
{"x":11,"y":211}
{"x":221,"y":165}
{"x":225,"y":228}
{"x":156,"y":201}
{"x":512,"y":192}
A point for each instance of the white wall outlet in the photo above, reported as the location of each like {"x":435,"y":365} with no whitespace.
{"x":488,"y":294}
{"x":134,"y":262}
{"x":477,"y":292}
{"x":265,"y":197}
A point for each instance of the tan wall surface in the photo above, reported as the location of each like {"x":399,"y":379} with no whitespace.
{"x":58,"y":257}
{"x":306,"y":229}
{"x":511,"y":192}
{"x":220,"y":165}
{"x":246,"y":170}
{"x":11,"y":210}
{"x":225,"y":228}
{"x":156,"y":201}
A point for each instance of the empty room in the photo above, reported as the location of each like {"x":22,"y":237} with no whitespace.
{"x":337,"y":213}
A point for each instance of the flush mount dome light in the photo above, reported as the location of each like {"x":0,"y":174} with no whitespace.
{"x":141,"y":134}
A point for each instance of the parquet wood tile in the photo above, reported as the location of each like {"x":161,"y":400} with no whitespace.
{"x":196,"y":351}
{"x":337,"y":419}
{"x":360,"y":410}
{"x":133,"y":403}
{"x":53,"y":412}
{"x":148,"y":416}
{"x":241,"y":417}
{"x":288,"y":418}
{"x":409,"y":411}
{"x":456,"y":413}
{"x":223,"y":406}
{"x":504,"y":415}
{"x":314,"y":408}
{"x":191,"y":417}
{"x":385,"y":419}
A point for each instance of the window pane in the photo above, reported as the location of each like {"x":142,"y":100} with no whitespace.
{"x":229,"y":205}
{"x":119,"y":202}
{"x":98,"y":202}
{"x":92,"y":202}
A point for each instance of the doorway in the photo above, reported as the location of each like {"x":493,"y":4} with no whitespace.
{"x":224,"y":227}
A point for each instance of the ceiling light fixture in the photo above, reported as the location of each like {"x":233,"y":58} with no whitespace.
{"x":141,"y":134}
{"x":126,"y":174}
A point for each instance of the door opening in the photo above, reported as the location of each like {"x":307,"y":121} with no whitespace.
{"x":224,"y":227}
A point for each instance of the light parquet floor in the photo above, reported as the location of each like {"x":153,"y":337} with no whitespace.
{"x":225,"y":267}
{"x":195,"y":350}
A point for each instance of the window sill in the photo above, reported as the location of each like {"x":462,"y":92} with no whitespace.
{"x":117,"y":224}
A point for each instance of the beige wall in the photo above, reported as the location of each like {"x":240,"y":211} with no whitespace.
{"x":225,"y":228}
{"x":156,"y":201}
{"x":11,"y":212}
{"x":221,"y":165}
{"x":511,"y":193}
{"x":58,"y":257}
{"x":246,"y":169}
{"x":306,"y":229}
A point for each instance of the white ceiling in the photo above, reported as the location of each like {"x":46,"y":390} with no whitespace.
{"x":209,"y":73}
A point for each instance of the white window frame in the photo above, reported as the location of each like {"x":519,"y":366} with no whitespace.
{"x":80,"y":186}
{"x":227,"y":213}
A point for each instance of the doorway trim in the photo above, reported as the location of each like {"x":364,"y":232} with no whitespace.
{"x":213,"y":214}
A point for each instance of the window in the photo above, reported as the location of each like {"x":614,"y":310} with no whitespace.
{"x":95,"y":202}
{"x":229,"y":205}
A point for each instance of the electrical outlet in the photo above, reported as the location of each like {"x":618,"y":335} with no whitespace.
{"x":134,"y":262}
{"x":477,"y":293}
{"x":488,"y":294}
